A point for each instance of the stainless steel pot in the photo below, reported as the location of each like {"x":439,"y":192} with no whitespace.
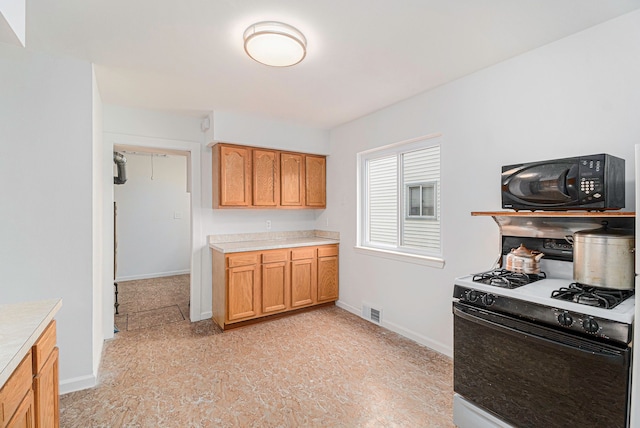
{"x":604,"y":258}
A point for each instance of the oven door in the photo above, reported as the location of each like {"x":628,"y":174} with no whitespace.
{"x":534,"y":376}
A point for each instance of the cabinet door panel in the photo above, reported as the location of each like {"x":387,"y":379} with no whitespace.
{"x":235,"y":176}
{"x":23,"y":418}
{"x":327,"y":278}
{"x":45,"y":383}
{"x":275,"y":287}
{"x":315,"y":181}
{"x":16,"y":387}
{"x":291,"y":182}
{"x":303,"y":282}
{"x":266,"y":178}
{"x":243,"y":283}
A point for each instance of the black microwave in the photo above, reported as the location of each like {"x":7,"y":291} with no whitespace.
{"x":593,"y":182}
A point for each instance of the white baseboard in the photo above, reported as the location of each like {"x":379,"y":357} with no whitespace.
{"x":77,"y":384}
{"x":205,"y":316}
{"x":152,"y":275}
{"x":410,"y":334}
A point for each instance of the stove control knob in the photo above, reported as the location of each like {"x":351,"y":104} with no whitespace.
{"x":590,"y":325}
{"x":472,"y":295}
{"x":565,"y":319}
{"x":488,"y":299}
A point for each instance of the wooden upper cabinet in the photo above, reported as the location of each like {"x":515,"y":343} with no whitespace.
{"x":233,"y":187}
{"x":266,"y":178}
{"x":252,"y":177}
{"x":291,"y":180}
{"x":315,"y":181}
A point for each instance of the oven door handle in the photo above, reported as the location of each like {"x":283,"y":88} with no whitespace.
{"x":593,"y":351}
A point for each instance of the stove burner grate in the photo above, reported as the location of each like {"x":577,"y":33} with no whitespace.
{"x":507,"y":279}
{"x":591,"y":296}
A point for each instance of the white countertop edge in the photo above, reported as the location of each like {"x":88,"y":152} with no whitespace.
{"x":242,"y":246}
{"x":53,"y":306}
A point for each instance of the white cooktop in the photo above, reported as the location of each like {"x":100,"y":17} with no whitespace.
{"x":540,"y":292}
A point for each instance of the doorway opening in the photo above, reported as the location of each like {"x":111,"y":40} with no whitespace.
{"x":152,"y":238}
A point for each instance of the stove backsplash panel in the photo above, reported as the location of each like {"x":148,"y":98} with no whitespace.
{"x":553,"y":248}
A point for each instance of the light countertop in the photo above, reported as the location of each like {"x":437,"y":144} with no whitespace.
{"x":238,"y":247}
{"x":271,"y":241}
{"x":21,"y":324}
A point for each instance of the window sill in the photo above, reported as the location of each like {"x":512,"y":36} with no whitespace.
{"x":435,"y":262}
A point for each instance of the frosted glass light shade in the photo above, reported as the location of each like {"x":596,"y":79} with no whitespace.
{"x":275,"y":44}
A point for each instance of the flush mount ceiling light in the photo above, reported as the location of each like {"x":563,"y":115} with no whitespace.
{"x":275,"y":43}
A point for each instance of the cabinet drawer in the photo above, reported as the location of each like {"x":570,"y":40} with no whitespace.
{"x":44,"y":346}
{"x":329,"y":250}
{"x":17,"y":387}
{"x":242,"y":259}
{"x":303,"y":253}
{"x":274,"y":256}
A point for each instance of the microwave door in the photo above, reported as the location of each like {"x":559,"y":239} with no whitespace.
{"x":545,"y":184}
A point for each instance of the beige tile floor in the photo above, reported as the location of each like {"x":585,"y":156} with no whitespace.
{"x":152,"y":302}
{"x":323,"y":368}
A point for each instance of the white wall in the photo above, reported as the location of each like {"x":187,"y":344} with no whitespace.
{"x":579,"y":95}
{"x":153,"y":217}
{"x":46,"y":220}
{"x":258,"y":131}
{"x":102,"y":272}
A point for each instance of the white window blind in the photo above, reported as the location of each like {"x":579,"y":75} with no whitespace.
{"x":383,"y":200}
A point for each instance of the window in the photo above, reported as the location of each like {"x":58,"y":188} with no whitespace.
{"x":399,"y":203}
{"x":421,"y":200}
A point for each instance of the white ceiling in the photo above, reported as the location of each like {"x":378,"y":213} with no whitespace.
{"x":187,"y":55}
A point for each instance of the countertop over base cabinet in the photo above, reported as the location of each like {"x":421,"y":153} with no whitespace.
{"x":255,"y":285}
{"x":252,"y":177}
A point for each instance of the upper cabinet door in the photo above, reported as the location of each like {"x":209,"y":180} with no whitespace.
{"x":235,"y":176}
{"x":291,"y":180}
{"x":315,"y":172}
{"x":266,"y":178}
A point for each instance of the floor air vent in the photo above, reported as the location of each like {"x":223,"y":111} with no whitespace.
{"x":371,"y":314}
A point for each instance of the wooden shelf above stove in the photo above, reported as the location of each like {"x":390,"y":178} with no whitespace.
{"x":565,"y":214}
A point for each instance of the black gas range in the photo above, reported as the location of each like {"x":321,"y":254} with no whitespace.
{"x":540,"y":350}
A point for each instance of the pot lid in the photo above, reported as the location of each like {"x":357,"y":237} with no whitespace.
{"x":605,"y":232}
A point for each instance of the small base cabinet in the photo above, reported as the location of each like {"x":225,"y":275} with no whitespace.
{"x":16,"y":397}
{"x":257,"y":284}
{"x":327,"y":274}
{"x":30,"y":398}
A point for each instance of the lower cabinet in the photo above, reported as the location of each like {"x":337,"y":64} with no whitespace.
{"x":16,"y":396}
{"x":45,"y":380}
{"x":276,"y":282}
{"x":257,"y":284}
{"x":327,"y":274}
{"x":304,"y":276}
{"x":29,"y":398}
{"x":243,"y":287}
